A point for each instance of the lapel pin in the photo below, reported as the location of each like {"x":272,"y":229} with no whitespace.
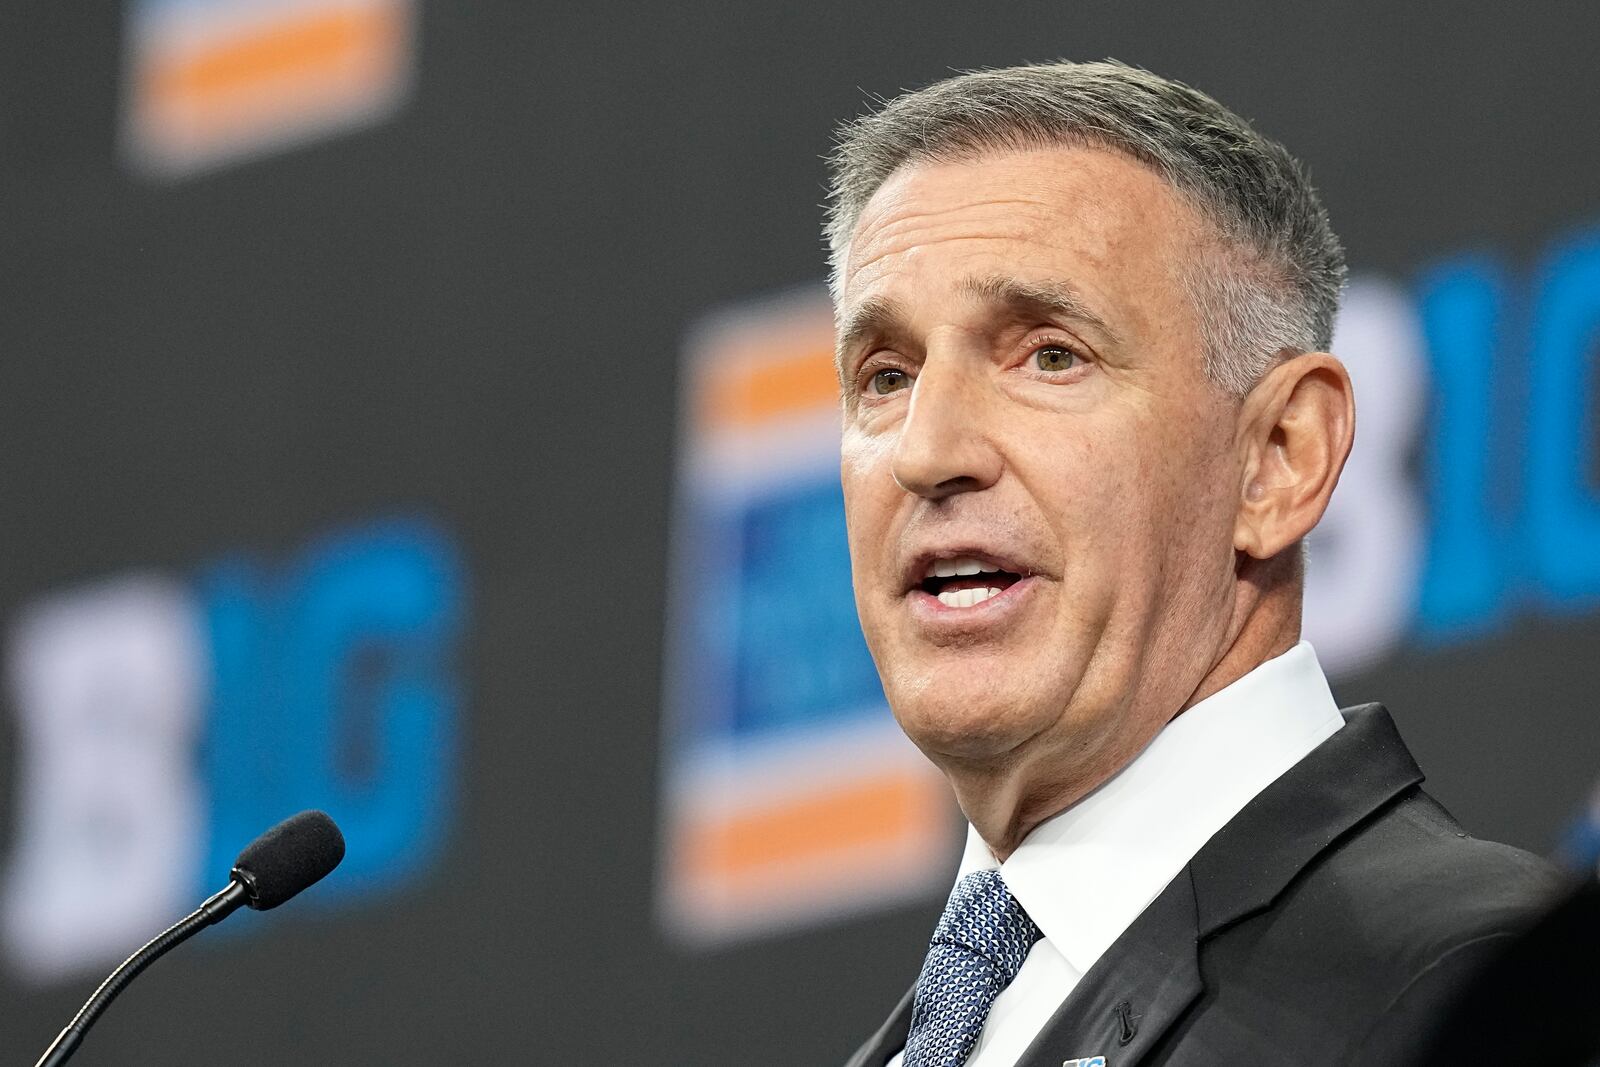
{"x":1091,"y":1061}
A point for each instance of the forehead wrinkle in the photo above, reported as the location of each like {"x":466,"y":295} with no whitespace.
{"x":915,"y":212}
{"x":901,"y":231}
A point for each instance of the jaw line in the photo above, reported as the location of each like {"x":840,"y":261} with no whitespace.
{"x":1012,"y":755}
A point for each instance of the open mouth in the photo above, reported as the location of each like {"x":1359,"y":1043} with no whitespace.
{"x":965,"y":581}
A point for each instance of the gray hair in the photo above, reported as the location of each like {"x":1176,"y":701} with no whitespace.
{"x":1276,"y":287}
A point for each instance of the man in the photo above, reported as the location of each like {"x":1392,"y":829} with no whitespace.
{"x":1089,"y":419}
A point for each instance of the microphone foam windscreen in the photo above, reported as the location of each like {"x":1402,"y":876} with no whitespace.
{"x":292,"y":855}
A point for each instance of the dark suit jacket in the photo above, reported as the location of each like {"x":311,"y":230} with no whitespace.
{"x":1328,"y":923}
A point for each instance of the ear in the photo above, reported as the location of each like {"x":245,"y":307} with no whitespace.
{"x":1294,"y":434}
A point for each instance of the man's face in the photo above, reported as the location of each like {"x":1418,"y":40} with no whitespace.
{"x":1024,"y":396}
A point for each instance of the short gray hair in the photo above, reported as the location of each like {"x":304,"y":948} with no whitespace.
{"x":1276,"y":287}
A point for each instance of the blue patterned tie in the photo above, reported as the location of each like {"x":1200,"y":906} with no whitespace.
{"x":977,"y":949}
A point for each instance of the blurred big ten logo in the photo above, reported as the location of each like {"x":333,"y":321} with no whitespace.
{"x":163,"y":721}
{"x":208,"y":82}
{"x":789,"y":792}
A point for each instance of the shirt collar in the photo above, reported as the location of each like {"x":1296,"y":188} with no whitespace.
{"x":1085,"y":874}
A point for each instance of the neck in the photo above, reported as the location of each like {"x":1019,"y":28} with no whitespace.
{"x":1006,"y":802}
{"x":1267,"y":603}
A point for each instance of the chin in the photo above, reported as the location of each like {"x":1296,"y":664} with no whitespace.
{"x":965,"y":714}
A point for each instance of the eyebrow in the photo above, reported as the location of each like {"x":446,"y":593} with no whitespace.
{"x":874,"y":317}
{"x":1042,"y":299}
{"x":881,"y":317}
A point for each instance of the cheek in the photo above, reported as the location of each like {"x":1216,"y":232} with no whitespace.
{"x":1134,"y":500}
{"x":864,"y":457}
{"x":1184,"y":493}
{"x":1097,"y":484}
{"x":870,"y":496}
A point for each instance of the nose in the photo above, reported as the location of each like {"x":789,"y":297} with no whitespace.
{"x":945,"y":445}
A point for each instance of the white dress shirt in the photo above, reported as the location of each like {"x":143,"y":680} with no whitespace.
{"x":1084,"y":875}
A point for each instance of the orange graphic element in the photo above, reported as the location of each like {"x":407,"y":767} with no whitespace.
{"x":323,"y":41}
{"x":794,"y":378}
{"x":202,"y":94}
{"x":857,"y":817}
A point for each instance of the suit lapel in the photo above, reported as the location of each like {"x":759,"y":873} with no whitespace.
{"x":890,"y":1038}
{"x":1146,"y":980}
{"x":1252,"y":859}
{"x":1138,"y":989}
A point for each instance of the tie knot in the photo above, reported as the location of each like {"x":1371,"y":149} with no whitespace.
{"x":983,"y":917}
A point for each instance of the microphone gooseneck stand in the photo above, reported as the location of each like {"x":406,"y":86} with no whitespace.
{"x":297,"y":853}
{"x":214,"y":910}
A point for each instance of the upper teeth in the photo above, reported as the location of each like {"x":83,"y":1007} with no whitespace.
{"x":961,"y":565}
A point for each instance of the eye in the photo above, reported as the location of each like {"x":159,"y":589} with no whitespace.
{"x":888,"y":380}
{"x":1055,"y":358}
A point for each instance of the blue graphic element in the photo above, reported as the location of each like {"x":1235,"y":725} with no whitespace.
{"x":1463,"y":577}
{"x":1563,"y":509}
{"x":332,"y":689}
{"x":800,"y":657}
{"x":705,"y":622}
{"x":1579,"y":848}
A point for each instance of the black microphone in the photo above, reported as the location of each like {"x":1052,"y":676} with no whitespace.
{"x":295,"y":854}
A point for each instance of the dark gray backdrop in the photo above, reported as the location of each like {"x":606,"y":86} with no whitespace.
{"x":475,"y":309}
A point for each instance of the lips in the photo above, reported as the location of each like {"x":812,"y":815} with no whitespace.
{"x":966,"y":581}
{"x":959,"y":579}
